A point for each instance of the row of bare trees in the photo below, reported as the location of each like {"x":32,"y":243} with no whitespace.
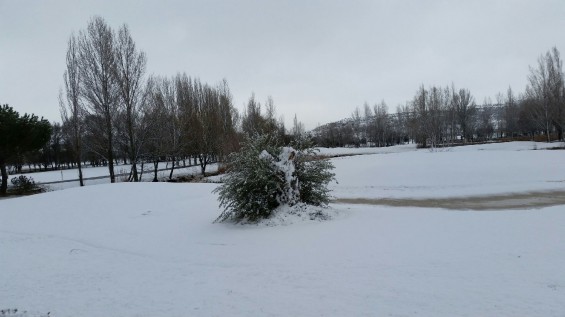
{"x":112,"y":111}
{"x":179,"y":119}
{"x":111,"y":108}
{"x":442,"y":116}
{"x":185,"y":118}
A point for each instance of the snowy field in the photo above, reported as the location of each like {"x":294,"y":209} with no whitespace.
{"x":151,"y":249}
{"x":68,"y":178}
{"x":475,"y":170}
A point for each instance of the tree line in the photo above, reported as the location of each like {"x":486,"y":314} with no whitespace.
{"x":111,"y":109}
{"x":443,"y":116}
{"x":113,"y":112}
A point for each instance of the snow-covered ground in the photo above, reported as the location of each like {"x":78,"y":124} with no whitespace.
{"x":68,"y":178}
{"x":151,"y":249}
{"x":475,"y":170}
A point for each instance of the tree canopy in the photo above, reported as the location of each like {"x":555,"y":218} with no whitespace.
{"x":18,"y":136}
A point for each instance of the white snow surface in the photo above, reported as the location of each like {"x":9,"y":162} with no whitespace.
{"x":475,"y":170}
{"x":151,"y":249}
{"x":66,"y":176}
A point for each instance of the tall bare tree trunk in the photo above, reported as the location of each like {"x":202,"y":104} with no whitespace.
{"x":110,"y":149}
{"x":99,"y":86}
{"x":74,"y":120}
{"x":155,"y":170}
{"x":172,"y":169}
{"x":129,"y":70}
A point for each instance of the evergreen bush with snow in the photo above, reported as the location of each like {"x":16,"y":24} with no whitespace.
{"x":263,"y":177}
{"x":23,"y":185}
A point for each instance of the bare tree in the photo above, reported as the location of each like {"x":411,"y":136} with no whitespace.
{"x":368,"y":118}
{"x":380,"y":127}
{"x":99,"y":89}
{"x":356,"y":121}
{"x":511,"y":114}
{"x":272,"y":124}
{"x":538,"y":92}
{"x":252,"y":121}
{"x":156,"y":121}
{"x":207,"y":119}
{"x":209,"y":122}
{"x":297,"y":128}
{"x":421,"y":116}
{"x":72,"y":111}
{"x":451,"y":114}
{"x":485,"y":127}
{"x":228,"y":117}
{"x":186,"y":103}
{"x":174,"y":125}
{"x":402,"y":120}
{"x":556,"y":89}
{"x":465,"y":109}
{"x":129,"y":70}
{"x":436,"y":106}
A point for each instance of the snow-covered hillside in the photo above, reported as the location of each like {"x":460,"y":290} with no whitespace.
{"x":151,"y":249}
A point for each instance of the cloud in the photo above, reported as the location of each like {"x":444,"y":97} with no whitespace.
{"x":318,"y":59}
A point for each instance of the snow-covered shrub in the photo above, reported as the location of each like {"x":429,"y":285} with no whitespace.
{"x":314,"y":173}
{"x":24,"y":185}
{"x":20,"y":313}
{"x":263,"y":176}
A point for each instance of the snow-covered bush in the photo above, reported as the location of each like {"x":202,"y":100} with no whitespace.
{"x":25,"y":185}
{"x":263,"y":176}
{"x":20,"y":313}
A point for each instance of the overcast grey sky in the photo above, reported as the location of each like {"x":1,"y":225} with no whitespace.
{"x":317,"y":59}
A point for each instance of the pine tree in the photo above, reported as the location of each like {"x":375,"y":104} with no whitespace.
{"x":19,"y":135}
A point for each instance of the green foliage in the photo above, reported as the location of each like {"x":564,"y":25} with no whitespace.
{"x":262,"y":176}
{"x":21,"y":133}
{"x":250,"y":189}
{"x":313,"y":172}
{"x":18,"y":136}
{"x":8,"y":127}
{"x":314,"y":175}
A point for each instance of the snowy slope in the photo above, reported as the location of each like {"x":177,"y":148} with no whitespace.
{"x":151,"y":249}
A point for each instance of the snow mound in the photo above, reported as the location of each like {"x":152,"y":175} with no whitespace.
{"x":286,"y":215}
